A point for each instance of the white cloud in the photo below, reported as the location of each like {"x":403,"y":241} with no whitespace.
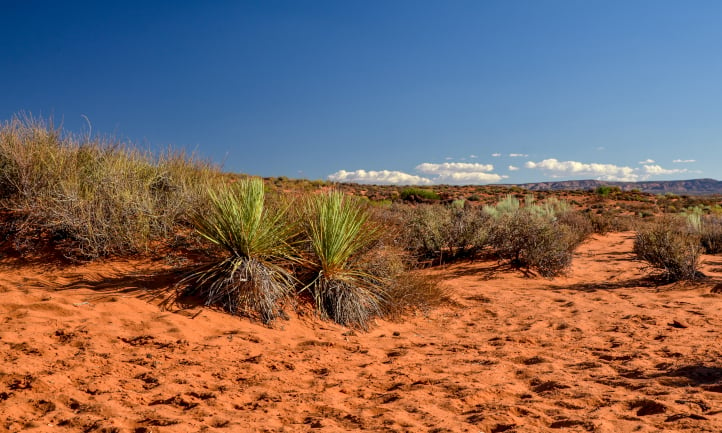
{"x":460,"y":172}
{"x":555,"y":168}
{"x":496,"y":155}
{"x":647,"y":161}
{"x":655,"y":170}
{"x":513,"y":168}
{"x":382,"y":177}
{"x":467,"y":167}
{"x":684,"y":161}
{"x":473,"y":156}
{"x":601,"y":148}
{"x":518,"y":155}
{"x":558,"y":168}
{"x":448,"y":158}
{"x":467,"y":178}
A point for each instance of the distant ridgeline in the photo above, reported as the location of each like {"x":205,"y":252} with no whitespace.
{"x":681,"y":187}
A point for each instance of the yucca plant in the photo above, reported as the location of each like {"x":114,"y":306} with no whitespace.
{"x":338,"y":231}
{"x":251,"y":279}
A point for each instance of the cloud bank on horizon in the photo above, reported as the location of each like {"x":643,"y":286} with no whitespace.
{"x":465,"y":173}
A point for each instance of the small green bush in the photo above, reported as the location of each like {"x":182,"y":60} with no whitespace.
{"x":671,"y":246}
{"x":607,"y":190}
{"x":419,"y":193}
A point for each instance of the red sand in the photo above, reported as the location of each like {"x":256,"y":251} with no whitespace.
{"x":95,"y":348}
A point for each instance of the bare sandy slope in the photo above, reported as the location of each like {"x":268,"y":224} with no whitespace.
{"x":603,"y":349}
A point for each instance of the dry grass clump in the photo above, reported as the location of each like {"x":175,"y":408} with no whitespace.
{"x":711,"y":234}
{"x":671,"y":245}
{"x":405,"y":288}
{"x":90,"y":197}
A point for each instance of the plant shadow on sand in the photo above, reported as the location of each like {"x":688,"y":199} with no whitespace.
{"x":484,"y":270}
{"x":154,"y":286}
{"x":697,"y":375}
{"x":643,"y":282}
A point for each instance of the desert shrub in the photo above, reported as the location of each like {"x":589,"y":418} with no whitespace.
{"x":508,"y":205}
{"x":534,"y":236}
{"x":707,"y":226}
{"x":419,"y":193}
{"x":91,"y":197}
{"x":606,"y":222}
{"x":444,"y":232}
{"x":425,"y":230}
{"x":580,"y":225}
{"x":250,"y":278}
{"x":670,"y":245}
{"x":711,"y":234}
{"x":404,"y":288}
{"x":338,"y":231}
{"x":533,"y":242}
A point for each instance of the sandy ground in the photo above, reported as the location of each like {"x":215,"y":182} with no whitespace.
{"x":604,"y":349}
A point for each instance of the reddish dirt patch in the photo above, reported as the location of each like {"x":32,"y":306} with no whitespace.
{"x":102,"y":347}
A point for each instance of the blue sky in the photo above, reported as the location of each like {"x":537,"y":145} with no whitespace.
{"x":402,"y":91}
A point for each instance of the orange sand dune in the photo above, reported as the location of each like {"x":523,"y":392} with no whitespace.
{"x":100,"y":348}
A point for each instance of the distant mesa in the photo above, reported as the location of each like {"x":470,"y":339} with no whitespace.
{"x":680,"y":187}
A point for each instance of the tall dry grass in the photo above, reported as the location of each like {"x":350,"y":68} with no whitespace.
{"x":92,"y":197}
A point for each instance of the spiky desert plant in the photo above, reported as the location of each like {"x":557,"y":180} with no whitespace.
{"x":338,"y":231}
{"x":250,"y":280}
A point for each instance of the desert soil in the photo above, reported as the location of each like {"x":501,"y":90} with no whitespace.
{"x":102,"y":348}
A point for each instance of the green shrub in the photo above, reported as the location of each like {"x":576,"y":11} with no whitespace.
{"x":607,"y":190}
{"x":671,"y":246}
{"x":419,"y":193}
{"x":250,"y":279}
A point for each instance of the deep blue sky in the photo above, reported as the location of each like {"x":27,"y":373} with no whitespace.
{"x":432,"y":91}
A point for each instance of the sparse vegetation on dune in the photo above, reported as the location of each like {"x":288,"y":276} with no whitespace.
{"x":91,"y":198}
{"x":351,"y":247}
